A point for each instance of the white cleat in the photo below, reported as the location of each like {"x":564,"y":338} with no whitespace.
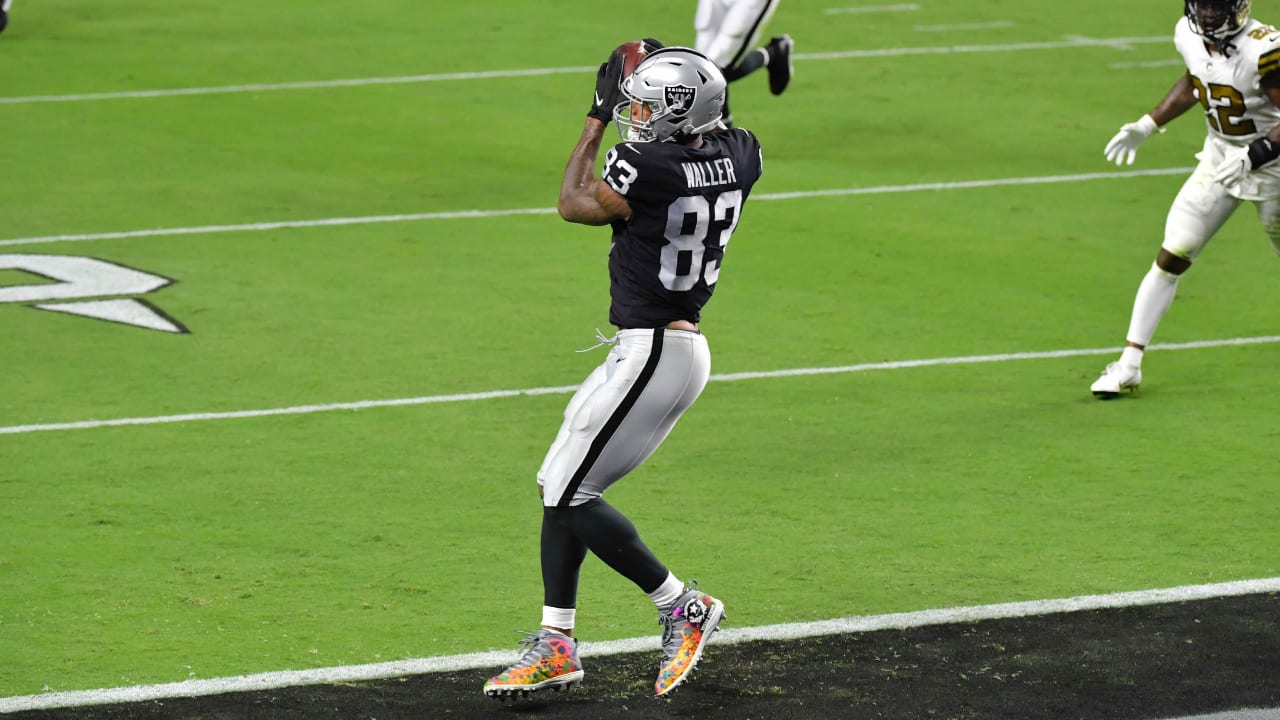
{"x":1115,"y":378}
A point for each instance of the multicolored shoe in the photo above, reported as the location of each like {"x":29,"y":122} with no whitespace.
{"x":549,"y":662}
{"x":686,"y":628}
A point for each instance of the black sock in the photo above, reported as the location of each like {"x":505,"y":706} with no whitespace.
{"x":753,"y":61}
{"x":562,"y":556}
{"x":614,"y":539}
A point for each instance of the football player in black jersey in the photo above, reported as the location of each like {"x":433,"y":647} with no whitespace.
{"x":672,"y":193}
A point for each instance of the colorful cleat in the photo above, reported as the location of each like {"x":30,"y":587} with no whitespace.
{"x":686,"y":628}
{"x":549,"y":662}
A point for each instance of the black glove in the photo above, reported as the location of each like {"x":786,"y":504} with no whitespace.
{"x":608,"y":77}
{"x":650,"y":45}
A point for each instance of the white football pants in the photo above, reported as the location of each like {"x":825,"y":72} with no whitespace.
{"x":727,"y":29}
{"x":623,"y":411}
{"x":1203,"y":206}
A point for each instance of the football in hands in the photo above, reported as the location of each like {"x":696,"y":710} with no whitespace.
{"x":632,"y":53}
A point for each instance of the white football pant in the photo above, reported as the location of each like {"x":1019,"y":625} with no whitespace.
{"x":1203,"y":206}
{"x":728,"y":29}
{"x":623,"y":411}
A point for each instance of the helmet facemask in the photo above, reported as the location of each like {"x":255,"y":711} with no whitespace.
{"x":635,"y":118}
{"x":1217,"y":20}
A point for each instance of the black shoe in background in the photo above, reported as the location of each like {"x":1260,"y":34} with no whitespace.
{"x":780,"y":70}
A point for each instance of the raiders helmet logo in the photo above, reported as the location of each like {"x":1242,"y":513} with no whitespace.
{"x":679,"y":98}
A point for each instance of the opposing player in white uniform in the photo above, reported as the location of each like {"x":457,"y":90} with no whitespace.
{"x":727,"y":32}
{"x":1233,"y":73}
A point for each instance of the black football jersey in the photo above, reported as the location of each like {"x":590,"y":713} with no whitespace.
{"x":685,"y":204}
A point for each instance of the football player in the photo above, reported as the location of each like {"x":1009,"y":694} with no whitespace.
{"x":4,"y":13}
{"x":1233,"y":74}
{"x":672,"y":194}
{"x":727,"y":32}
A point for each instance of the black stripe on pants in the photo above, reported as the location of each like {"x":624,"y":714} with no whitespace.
{"x":615,"y":420}
{"x":755,"y":28}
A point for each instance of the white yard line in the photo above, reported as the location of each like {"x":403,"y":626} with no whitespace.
{"x":300,"y":85}
{"x":257,"y":227}
{"x":787,"y":631}
{"x":472,"y":214}
{"x":1073,"y":41}
{"x":566,"y":389}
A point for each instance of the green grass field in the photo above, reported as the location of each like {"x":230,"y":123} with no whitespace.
{"x":214,"y":546}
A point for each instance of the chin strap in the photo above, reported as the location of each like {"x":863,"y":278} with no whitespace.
{"x":1227,"y":45}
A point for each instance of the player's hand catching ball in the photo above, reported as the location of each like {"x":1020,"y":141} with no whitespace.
{"x":621,"y":63}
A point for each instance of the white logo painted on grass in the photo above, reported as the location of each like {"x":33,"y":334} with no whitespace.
{"x":78,"y":278}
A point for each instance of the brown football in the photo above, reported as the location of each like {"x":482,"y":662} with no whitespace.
{"x":632,"y":54}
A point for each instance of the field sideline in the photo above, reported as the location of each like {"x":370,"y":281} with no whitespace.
{"x":729,"y":636}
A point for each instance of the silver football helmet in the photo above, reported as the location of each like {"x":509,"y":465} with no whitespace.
{"x":1217,"y":20}
{"x":674,"y":92}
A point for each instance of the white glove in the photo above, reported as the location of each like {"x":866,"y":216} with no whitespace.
{"x":1234,"y":167}
{"x":1123,"y":148}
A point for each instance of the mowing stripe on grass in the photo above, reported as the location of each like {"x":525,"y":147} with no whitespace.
{"x":1070,"y":41}
{"x":1172,"y":62}
{"x":473,"y":214}
{"x":787,"y":631}
{"x":901,"y":7}
{"x":566,"y":389}
{"x":994,"y":25}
